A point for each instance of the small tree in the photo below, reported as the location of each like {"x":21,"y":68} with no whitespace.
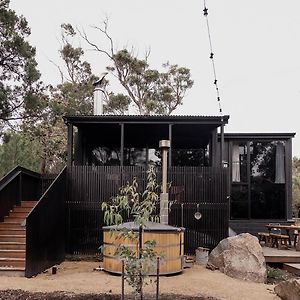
{"x":141,"y":208}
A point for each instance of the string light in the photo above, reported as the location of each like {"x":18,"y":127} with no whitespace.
{"x":211,"y":56}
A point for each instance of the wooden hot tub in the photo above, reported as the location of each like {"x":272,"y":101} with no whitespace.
{"x":169,"y":243}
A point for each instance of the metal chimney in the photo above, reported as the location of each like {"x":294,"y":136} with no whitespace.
{"x":99,"y":94}
{"x":164,"y":145}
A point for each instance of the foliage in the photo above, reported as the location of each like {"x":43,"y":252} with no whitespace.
{"x":275,"y":274}
{"x":141,"y":208}
{"x":147,"y":90}
{"x":17,"y":149}
{"x":138,"y":268}
{"x":21,"y":92}
{"x":74,"y":95}
{"x":296,"y":185}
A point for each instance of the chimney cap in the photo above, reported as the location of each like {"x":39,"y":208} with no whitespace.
{"x":100,"y":81}
{"x":164,"y":144}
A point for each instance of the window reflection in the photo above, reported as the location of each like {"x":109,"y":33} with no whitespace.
{"x":190,"y":157}
{"x":267,"y":180}
{"x":267,"y":161}
{"x":135,"y":156}
{"x":103,"y":156}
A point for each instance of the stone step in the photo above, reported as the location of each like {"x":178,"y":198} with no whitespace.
{"x":12,"y":245}
{"x":13,"y":238}
{"x":9,"y":253}
{"x":292,"y":268}
{"x":12,"y":262}
{"x":12,"y":271}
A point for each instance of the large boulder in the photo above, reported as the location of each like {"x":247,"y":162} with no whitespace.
{"x":288,"y":290}
{"x":240,"y":256}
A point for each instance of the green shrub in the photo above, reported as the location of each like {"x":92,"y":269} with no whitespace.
{"x":275,"y":274}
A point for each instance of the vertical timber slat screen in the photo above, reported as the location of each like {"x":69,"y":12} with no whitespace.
{"x":89,"y":186}
{"x":45,"y":224}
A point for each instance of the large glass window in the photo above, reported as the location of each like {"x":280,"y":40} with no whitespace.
{"x":190,"y":145}
{"x":267,"y":180}
{"x":101,"y":145}
{"x":141,"y":157}
{"x":258,"y":180}
{"x":190,"y":157}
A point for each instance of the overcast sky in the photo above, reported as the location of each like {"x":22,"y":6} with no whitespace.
{"x":256,"y":45}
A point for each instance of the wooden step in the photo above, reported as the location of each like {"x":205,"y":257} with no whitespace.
{"x":15,"y":214}
{"x":9,"y":220}
{"x":12,"y":225}
{"x":12,"y":271}
{"x":9,"y":253}
{"x":22,"y":209}
{"x":292,"y":268}
{"x":12,"y":262}
{"x":28,"y":203}
{"x":13,"y":238}
{"x":12,"y":245}
{"x":13,"y":231}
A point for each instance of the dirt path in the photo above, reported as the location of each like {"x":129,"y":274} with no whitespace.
{"x":79,"y":277}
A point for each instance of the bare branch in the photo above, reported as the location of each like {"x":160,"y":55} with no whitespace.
{"x":59,"y":70}
{"x":95,"y":46}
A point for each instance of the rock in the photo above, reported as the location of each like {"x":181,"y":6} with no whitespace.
{"x":240,"y":257}
{"x":288,"y":290}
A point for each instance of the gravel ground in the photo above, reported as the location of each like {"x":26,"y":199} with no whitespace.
{"x":78,"y":280}
{"x":23,"y":295}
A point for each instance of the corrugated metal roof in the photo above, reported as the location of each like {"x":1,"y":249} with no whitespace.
{"x":259,"y":135}
{"x":141,"y":118}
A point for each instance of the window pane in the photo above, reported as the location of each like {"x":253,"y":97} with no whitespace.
{"x":239,"y":201}
{"x":135,"y":156}
{"x":103,"y":156}
{"x":267,"y":180}
{"x":190,"y":157}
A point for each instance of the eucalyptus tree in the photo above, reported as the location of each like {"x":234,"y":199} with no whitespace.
{"x":147,"y":90}
{"x":21,"y":91}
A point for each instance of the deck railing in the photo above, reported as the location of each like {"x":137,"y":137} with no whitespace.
{"x":89,"y":186}
{"x":45,"y":229}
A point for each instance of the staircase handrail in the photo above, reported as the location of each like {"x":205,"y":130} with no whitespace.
{"x":12,"y":174}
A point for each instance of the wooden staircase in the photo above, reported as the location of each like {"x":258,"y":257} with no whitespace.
{"x":13,"y":240}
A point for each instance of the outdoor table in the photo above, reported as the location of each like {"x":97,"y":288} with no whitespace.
{"x":287,"y":228}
